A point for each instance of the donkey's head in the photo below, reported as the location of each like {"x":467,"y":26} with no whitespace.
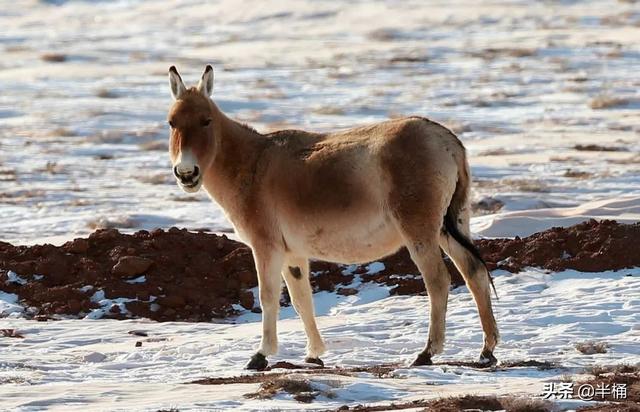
{"x":192,"y":142}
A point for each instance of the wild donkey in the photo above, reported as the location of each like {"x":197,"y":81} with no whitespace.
{"x":351,"y":196}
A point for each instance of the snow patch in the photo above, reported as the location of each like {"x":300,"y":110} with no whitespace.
{"x":139,"y":279}
{"x":9,"y":305}
{"x":13,"y":277}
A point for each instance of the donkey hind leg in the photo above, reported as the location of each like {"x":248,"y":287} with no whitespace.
{"x":268,"y":266}
{"x":477,"y":278}
{"x":296,"y":275}
{"x":428,"y":259}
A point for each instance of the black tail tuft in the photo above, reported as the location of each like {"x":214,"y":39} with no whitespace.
{"x":451,"y":227}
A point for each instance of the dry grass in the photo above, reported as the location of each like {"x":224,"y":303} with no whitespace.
{"x":79,"y":202}
{"x":614,"y":54}
{"x":107,"y":94}
{"x":392,"y":114}
{"x":409,"y":58}
{"x":261,"y":83}
{"x":635,"y":159}
{"x":575,"y":174}
{"x":494,"y":152}
{"x":380,"y":371}
{"x":54,"y":57}
{"x":13,"y":380}
{"x":122,"y":222}
{"x":493,"y":53}
{"x":591,"y":347}
{"x":153,"y":145}
{"x":21,"y":196}
{"x":620,"y":127}
{"x":10,"y":333}
{"x":300,"y":389}
{"x":531,"y":363}
{"x":107,"y":136}
{"x":579,"y":79}
{"x":485,"y":206}
{"x":512,"y":404}
{"x":598,"y":148}
{"x":463,"y":403}
{"x":7,"y":175}
{"x":630,"y":380}
{"x":278,"y":125}
{"x":612,"y":407}
{"x":17,"y":48}
{"x":606,"y":101}
{"x":526,"y":185}
{"x":385,"y":34}
{"x":457,"y":127}
{"x":329,"y":110}
{"x":52,"y":168}
{"x":185,"y":198}
{"x":156,"y":179}
{"x":267,"y":94}
{"x":604,"y":369}
{"x":61,"y":132}
{"x":566,"y":159}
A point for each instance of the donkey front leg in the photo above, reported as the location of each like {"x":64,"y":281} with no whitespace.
{"x":296,"y":275}
{"x":436,"y":277}
{"x":268,"y":266}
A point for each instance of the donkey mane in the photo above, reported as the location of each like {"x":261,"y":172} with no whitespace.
{"x":249,"y":128}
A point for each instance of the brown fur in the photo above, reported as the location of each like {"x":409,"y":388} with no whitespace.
{"x":349,"y":196}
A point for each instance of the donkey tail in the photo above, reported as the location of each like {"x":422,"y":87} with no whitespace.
{"x":459,"y":202}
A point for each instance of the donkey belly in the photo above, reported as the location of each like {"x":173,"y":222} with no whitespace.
{"x":350,"y":240}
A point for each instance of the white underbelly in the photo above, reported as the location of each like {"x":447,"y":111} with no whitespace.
{"x":356,"y":241}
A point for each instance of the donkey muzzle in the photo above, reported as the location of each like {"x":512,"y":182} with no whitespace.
{"x":188,"y":176}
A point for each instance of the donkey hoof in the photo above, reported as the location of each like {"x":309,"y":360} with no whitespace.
{"x":487,"y":358}
{"x":317,"y":361}
{"x":258,"y":362}
{"x":422,"y":359}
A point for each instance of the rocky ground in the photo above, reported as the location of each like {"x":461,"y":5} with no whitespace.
{"x":181,"y":275}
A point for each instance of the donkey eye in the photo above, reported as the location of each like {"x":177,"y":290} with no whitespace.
{"x":171,"y":125}
{"x":206,"y":123}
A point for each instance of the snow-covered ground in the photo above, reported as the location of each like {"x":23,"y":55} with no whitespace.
{"x":94,"y":365}
{"x":83,"y":145}
{"x":82,"y":142}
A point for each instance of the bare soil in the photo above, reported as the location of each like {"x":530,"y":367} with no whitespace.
{"x":187,"y":276}
{"x":588,"y":247}
{"x":179,"y":275}
{"x":379,"y":371}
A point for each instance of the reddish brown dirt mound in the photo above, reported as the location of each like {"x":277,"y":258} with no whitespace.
{"x":589,"y":247}
{"x":400,"y":273}
{"x":199,"y":276}
{"x":188,"y":276}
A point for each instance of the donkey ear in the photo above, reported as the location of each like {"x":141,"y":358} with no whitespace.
{"x":205,"y":86}
{"x":177,"y":86}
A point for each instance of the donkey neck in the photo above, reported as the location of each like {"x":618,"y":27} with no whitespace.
{"x":233,"y":170}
